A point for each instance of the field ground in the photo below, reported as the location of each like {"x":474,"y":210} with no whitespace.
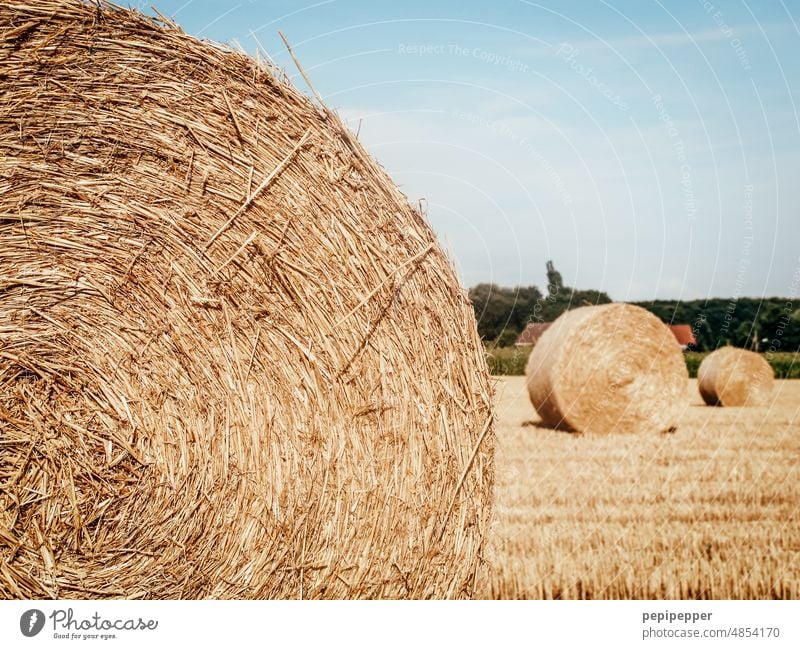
{"x":710,"y":511}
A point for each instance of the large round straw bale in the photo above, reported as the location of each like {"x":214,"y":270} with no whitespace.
{"x":234,"y":362}
{"x":731,"y":376}
{"x":609,"y":368}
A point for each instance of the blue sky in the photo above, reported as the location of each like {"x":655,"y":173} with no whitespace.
{"x":652,"y":149}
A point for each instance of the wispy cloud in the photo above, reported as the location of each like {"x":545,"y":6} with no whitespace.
{"x":666,"y":39}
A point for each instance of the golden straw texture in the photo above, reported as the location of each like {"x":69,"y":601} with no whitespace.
{"x":234,"y":362}
{"x":605,"y":369}
{"x":735,"y":377}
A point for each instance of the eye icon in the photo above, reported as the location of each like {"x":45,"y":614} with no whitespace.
{"x":31,"y":622}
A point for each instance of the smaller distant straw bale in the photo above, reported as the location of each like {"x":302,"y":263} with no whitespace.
{"x":605,"y":369}
{"x":735,"y":377}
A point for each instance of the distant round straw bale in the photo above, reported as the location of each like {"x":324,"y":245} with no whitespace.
{"x":234,"y":362}
{"x":609,"y":368}
{"x":731,"y":376}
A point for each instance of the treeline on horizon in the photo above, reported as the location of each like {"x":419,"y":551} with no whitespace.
{"x":762,"y":324}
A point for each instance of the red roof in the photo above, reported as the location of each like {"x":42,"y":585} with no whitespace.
{"x":683,"y":334}
{"x":532,"y":332}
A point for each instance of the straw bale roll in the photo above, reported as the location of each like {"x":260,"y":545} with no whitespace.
{"x":234,"y":362}
{"x":731,"y":376}
{"x":609,"y":368}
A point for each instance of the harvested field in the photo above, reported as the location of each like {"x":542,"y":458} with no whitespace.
{"x":711,"y":511}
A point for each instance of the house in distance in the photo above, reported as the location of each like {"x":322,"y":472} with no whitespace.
{"x":531,"y":334}
{"x":684,"y":334}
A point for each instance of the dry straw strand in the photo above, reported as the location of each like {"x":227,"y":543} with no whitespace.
{"x":609,"y":368}
{"x":209,"y":390}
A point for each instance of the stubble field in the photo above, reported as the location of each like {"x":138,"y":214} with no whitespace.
{"x":710,"y":511}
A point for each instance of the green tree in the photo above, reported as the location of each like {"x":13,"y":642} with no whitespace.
{"x":744,"y":322}
{"x":555,"y":284}
{"x":507,"y":338}
{"x":498,"y":309}
{"x":502,"y":313}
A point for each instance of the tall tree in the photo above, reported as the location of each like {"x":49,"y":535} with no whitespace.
{"x":555,"y":285}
